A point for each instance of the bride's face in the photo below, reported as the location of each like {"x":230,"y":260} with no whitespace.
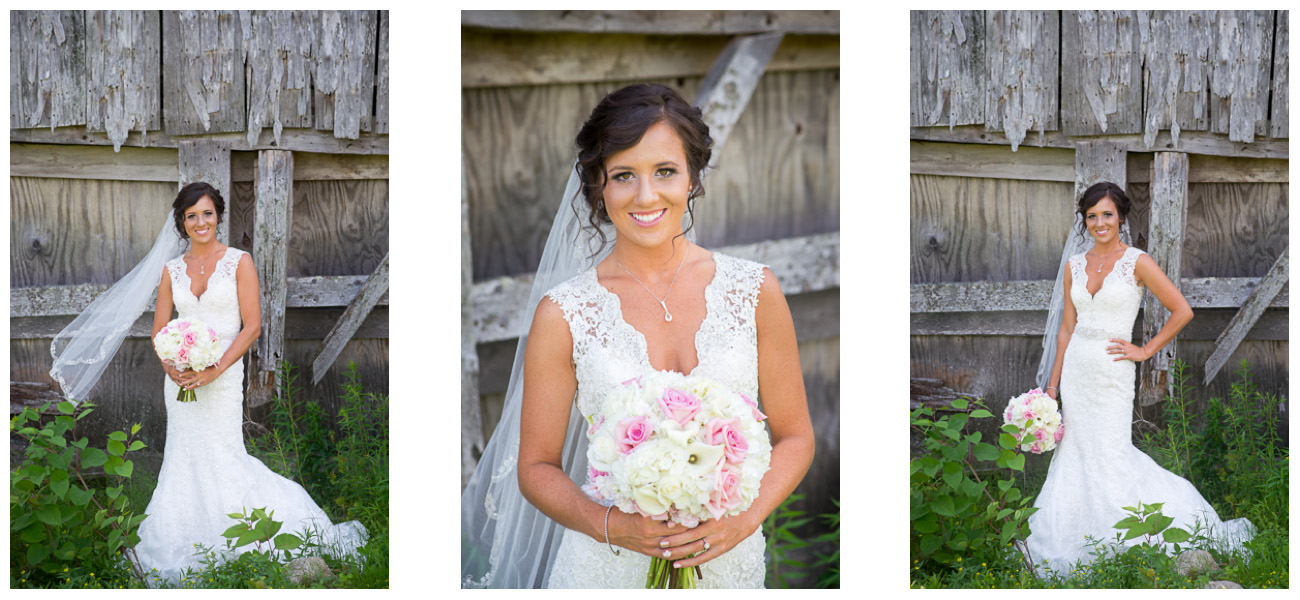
{"x":201,"y":221}
{"x":1103,"y":221}
{"x":646,"y":188}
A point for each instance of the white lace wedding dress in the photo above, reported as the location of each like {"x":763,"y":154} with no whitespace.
{"x":206,"y":472}
{"x":608,"y":351}
{"x":1096,"y":469}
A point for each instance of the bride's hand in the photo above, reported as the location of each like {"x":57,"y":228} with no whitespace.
{"x":710,"y":539}
{"x":191,"y":380}
{"x":173,"y":373}
{"x":1123,"y":350}
{"x":638,"y":533}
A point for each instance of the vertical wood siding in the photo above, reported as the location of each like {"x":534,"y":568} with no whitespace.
{"x":1022,"y":58}
{"x":948,"y":67}
{"x":123,"y":60}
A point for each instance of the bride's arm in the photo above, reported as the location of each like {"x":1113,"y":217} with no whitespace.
{"x":781,"y":391}
{"x":1068,"y":319}
{"x":162,"y":314}
{"x":250,"y":312}
{"x":1180,"y":312}
{"x":549,"y":387}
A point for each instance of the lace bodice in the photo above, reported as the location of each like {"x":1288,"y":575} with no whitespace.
{"x":219,"y":304}
{"x":1109,"y":314}
{"x":608,"y":351}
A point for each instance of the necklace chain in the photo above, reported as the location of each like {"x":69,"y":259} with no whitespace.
{"x":664,"y":301}
{"x":1102,"y":263}
{"x":204,"y":262}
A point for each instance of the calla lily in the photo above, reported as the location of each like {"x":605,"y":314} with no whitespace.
{"x":703,"y":459}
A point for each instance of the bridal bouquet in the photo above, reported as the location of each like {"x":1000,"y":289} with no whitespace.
{"x":188,"y":344}
{"x":1035,"y":414}
{"x":674,"y":447}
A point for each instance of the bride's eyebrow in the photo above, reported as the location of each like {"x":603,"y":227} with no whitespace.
{"x":666,"y":163}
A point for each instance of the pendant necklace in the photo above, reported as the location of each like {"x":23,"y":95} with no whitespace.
{"x":1102,"y":263}
{"x":203,"y":264}
{"x":664,"y":302}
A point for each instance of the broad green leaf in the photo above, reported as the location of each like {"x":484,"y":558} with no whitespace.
{"x":287,"y":541}
{"x":1011,"y":428}
{"x":49,"y":514}
{"x":972,"y":488}
{"x":126,"y":469}
{"x":1127,"y":522}
{"x":116,"y":448}
{"x":1175,"y":535}
{"x":79,"y":495}
{"x":66,"y":407}
{"x":235,"y":531}
{"x":1012,"y":494}
{"x":85,"y":413}
{"x":943,"y":506}
{"x":1017,"y":463}
{"x":117,"y":435}
{"x":1002,"y":514}
{"x":81,"y":443}
{"x":930,"y":543}
{"x":952,"y":472}
{"x":958,"y":421}
{"x":135,"y":429}
{"x":957,"y":543}
{"x":1139,"y":529}
{"x":92,"y":457}
{"x":1007,"y":441}
{"x":1005,"y":484}
{"x":1130,"y":509}
{"x":113,"y":491}
{"x":960,"y":404}
{"x":33,"y":533}
{"x":1161,"y":523}
{"x":37,"y":553}
{"x":980,"y":413}
{"x":136,"y":445}
{"x":985,"y":452}
{"x":927,"y":524}
{"x":236,"y":515}
{"x":246,"y":538}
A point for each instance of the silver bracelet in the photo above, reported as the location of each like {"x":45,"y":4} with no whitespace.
{"x":1052,"y":388}
{"x":611,"y":546}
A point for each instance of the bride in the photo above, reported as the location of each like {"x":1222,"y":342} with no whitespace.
{"x":206,"y":472}
{"x":654,"y":301}
{"x":1096,"y":469}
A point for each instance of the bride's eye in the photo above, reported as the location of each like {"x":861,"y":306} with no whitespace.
{"x":666,"y":172}
{"x":622,"y":177}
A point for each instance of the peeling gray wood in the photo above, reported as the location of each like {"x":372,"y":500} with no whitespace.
{"x":1201,"y":292}
{"x":977,"y":160}
{"x":1208,"y":324}
{"x":1245,"y":318}
{"x":297,"y":140}
{"x":663,"y":22}
{"x":1168,"y":221}
{"x":471,"y":411}
{"x":1022,"y":60}
{"x":1239,"y":80}
{"x":726,"y":90}
{"x":203,"y":72}
{"x":277,"y":49}
{"x":209,"y":162}
{"x":47,"y":68}
{"x":1101,"y":72}
{"x":1192,"y":142}
{"x":301,"y":292}
{"x":1279,"y":117}
{"x":344,"y":77}
{"x":317,"y":166}
{"x":381,"y":77}
{"x":801,"y":265}
{"x":1176,"y":49}
{"x":347,"y":325}
{"x":273,"y":214}
{"x":947,"y":73}
{"x":124,"y":82}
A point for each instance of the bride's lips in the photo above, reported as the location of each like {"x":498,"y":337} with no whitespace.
{"x":657,"y":214}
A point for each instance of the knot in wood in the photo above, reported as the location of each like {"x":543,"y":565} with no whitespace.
{"x":39,"y":246}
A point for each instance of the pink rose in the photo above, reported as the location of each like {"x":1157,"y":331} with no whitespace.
{"x":190,"y":338}
{"x":726,"y":491}
{"x":1036,"y":448}
{"x":758,"y":414}
{"x":1060,"y":433}
{"x":1040,"y":434}
{"x":726,"y":432}
{"x":679,"y":406}
{"x":636,"y":380}
{"x":182,"y":325}
{"x":183,"y":356}
{"x":631,"y":432}
{"x":1029,"y":415}
{"x":592,"y":473}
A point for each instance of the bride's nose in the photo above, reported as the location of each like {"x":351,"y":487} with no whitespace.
{"x":644,"y":192}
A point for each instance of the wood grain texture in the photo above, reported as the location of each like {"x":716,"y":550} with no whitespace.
{"x":209,"y":162}
{"x":1166,"y":238}
{"x":1101,"y":72}
{"x":1192,"y":142}
{"x":376,"y":285}
{"x":996,"y":162}
{"x":317,"y":166}
{"x":277,"y":47}
{"x":1022,"y":64}
{"x":471,"y":412}
{"x":1239,"y":228}
{"x":1249,"y":314}
{"x":948,"y":71}
{"x":962,"y":228}
{"x":338,"y":227}
{"x":1208,"y":324}
{"x":123,"y":84}
{"x":666,"y":22}
{"x":1280,"y":104}
{"x":344,"y":77}
{"x":203,"y":72}
{"x":1210,"y":292}
{"x":274,"y":210}
{"x":1239,"y":79}
{"x":47,"y":68}
{"x":298,"y":140}
{"x":991,"y":367}
{"x":381,"y":77}
{"x":1215,"y":169}
{"x":299,"y":323}
{"x":91,"y":162}
{"x":1176,"y":67}
{"x":71,"y":231}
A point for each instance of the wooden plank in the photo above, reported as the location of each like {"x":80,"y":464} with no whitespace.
{"x":1101,"y":71}
{"x":1165,"y":246}
{"x":1238,"y":229}
{"x":47,"y":68}
{"x":1176,"y":50}
{"x":356,"y":312}
{"x":802,"y":265}
{"x":975,"y":160}
{"x":316,"y":166}
{"x":1192,"y":142}
{"x":726,"y":90}
{"x":381,"y":76}
{"x":271,"y":253}
{"x":661,"y":22}
{"x":1208,"y":324}
{"x":344,"y":75}
{"x":88,"y":162}
{"x":1022,"y":64}
{"x":494,"y":58}
{"x":1239,"y":79}
{"x":1245,"y":319}
{"x":339,"y":227}
{"x":1215,"y":169}
{"x":1280,"y":105}
{"x":209,"y":162}
{"x":471,"y":414}
{"x":203,"y":72}
{"x":124,"y":82}
{"x":298,"y":140}
{"x":311,"y":324}
{"x":1202,"y":292}
{"x":277,"y":63}
{"x":949,"y":71}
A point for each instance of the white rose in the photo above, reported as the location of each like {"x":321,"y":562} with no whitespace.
{"x":670,"y":488}
{"x":602,"y":452}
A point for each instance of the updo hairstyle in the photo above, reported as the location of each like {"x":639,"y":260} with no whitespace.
{"x":1094,"y":194}
{"x":620,"y":121}
{"x":189,"y":196}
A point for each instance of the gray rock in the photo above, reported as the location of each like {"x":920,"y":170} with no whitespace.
{"x":1222,"y":585}
{"x":1195,"y":561}
{"x":308,"y":568}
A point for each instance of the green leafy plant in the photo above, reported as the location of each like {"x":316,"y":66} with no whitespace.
{"x":829,"y":562}
{"x":1147,"y":520}
{"x":778,"y":529}
{"x":260,"y":529}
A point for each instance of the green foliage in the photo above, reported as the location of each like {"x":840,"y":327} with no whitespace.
{"x":260,"y":529}
{"x":779,"y":528}
{"x":62,"y":529}
{"x":829,"y":562}
{"x":957,"y":514}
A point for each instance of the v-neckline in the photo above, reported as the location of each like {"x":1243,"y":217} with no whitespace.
{"x":1087,"y":277}
{"x":207,"y":284}
{"x":645,"y":344}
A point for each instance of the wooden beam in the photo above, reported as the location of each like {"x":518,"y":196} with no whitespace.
{"x":1201,"y":292}
{"x":471,"y":406}
{"x":1280,"y":106}
{"x":1191,"y":142}
{"x":1245,"y":318}
{"x":1208,"y":324}
{"x":802,"y":265}
{"x":207,"y":161}
{"x":273,"y":214}
{"x":316,"y":166}
{"x":659,"y":22}
{"x":376,"y":285}
{"x":1165,"y":245}
{"x":84,"y":162}
{"x":298,"y":140}
{"x":313,"y":324}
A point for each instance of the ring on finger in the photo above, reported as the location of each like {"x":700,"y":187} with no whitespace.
{"x":706,"y":544}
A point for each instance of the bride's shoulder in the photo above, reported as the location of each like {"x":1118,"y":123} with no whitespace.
{"x":742,"y":267}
